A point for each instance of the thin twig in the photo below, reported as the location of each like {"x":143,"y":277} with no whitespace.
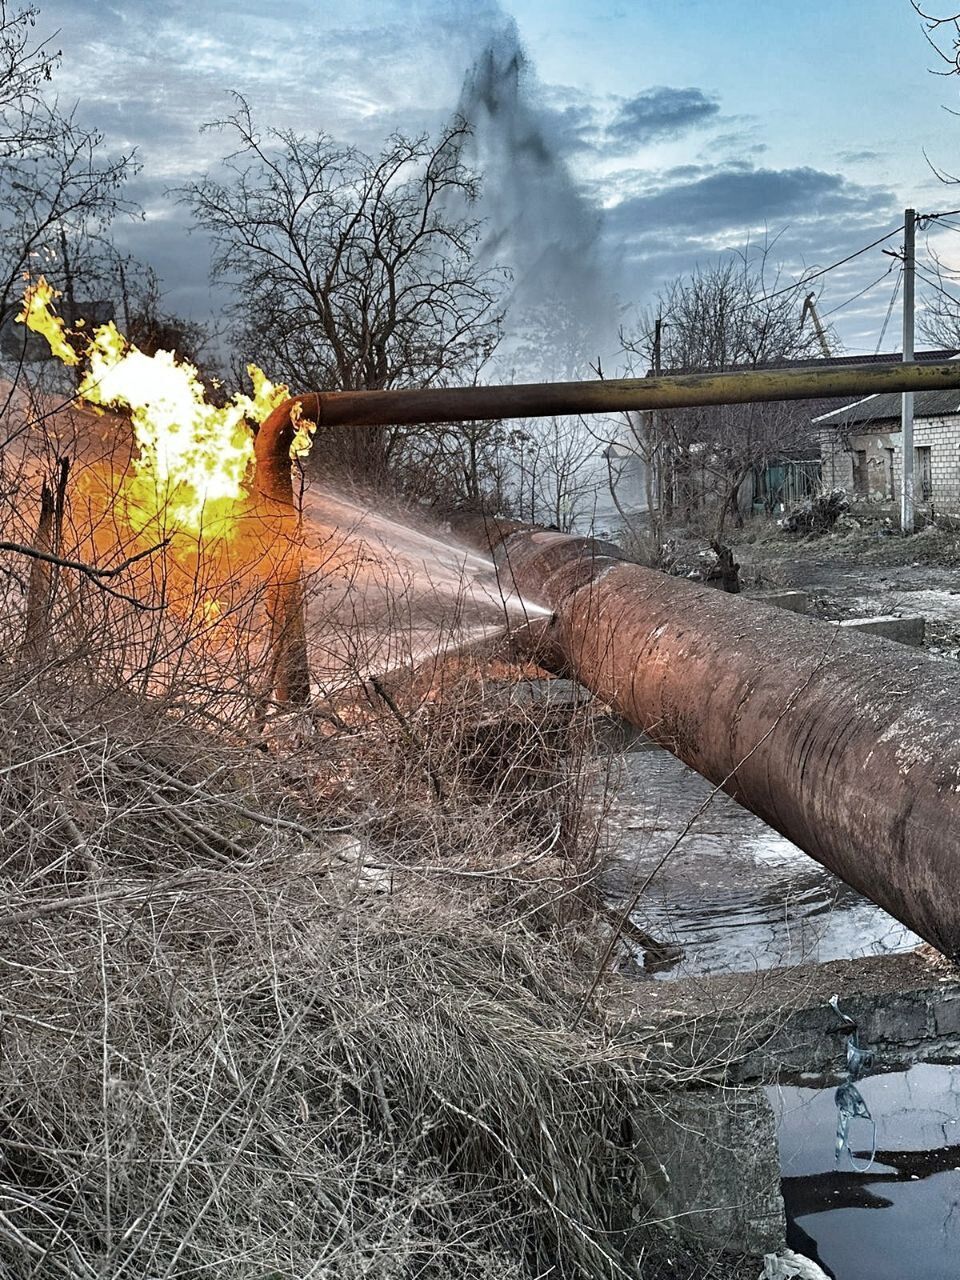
{"x":91,"y":571}
{"x":410,"y":736}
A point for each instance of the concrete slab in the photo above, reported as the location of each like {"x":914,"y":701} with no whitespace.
{"x":778,"y":1023}
{"x":793,"y":601}
{"x":558,"y":695}
{"x":905,"y":630}
{"x":705,"y":1132}
{"x":713,"y":1168}
{"x":612,"y":734}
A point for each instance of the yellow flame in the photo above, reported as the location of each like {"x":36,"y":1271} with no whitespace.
{"x":194,"y":456}
{"x":37,"y":315}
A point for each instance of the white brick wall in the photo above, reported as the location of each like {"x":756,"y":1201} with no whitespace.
{"x":940,"y":435}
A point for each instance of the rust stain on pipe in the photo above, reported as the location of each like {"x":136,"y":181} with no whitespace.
{"x":848,"y":745}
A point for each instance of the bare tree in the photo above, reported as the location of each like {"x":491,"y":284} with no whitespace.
{"x":58,"y":192}
{"x":550,"y":473}
{"x":353,"y":271}
{"x":939,"y":318}
{"x":726,"y":317}
{"x":943,"y":35}
{"x":26,"y":66}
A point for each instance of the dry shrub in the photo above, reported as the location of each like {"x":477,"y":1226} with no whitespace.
{"x":240,"y":1041}
{"x":303,"y":1002}
{"x":486,"y":782}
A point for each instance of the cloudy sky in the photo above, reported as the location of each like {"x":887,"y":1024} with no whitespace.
{"x":685,"y":127}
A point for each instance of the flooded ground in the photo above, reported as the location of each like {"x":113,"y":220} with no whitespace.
{"x":736,"y":897}
{"x":901,"y":1219}
{"x":867,"y":575}
{"x":734,"y":894}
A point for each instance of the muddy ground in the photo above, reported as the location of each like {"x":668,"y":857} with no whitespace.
{"x":863,"y":568}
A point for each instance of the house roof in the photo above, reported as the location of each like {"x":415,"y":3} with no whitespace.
{"x":814,"y":362}
{"x":884,"y":357}
{"x":886,"y":406}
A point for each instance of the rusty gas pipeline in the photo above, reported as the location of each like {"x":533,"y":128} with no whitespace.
{"x":846,"y":744}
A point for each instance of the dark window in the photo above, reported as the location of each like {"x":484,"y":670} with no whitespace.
{"x":861,"y":483}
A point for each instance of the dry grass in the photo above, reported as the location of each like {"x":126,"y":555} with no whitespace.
{"x":297,"y":1004}
{"x":239,"y":1041}
{"x":301,"y":999}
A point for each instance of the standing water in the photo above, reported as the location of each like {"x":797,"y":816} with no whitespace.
{"x":734,"y":895}
{"x":899,"y":1220}
{"x":737,"y":897}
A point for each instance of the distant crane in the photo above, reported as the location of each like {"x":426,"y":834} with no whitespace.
{"x":809,"y":305}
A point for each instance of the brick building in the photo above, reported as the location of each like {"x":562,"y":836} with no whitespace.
{"x":860,"y":448}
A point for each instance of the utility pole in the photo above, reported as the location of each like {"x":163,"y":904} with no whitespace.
{"x":907,"y":506}
{"x":656,"y":459}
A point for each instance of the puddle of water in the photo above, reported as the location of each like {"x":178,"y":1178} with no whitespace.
{"x":901,"y":1219}
{"x":735,"y":895}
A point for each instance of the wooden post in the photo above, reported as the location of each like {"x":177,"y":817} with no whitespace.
{"x":42,"y":583}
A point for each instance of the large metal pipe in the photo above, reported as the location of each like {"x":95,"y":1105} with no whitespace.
{"x":616,"y":395}
{"x":524,"y":400}
{"x":847,"y":744}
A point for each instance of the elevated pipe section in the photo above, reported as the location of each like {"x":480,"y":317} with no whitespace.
{"x":409,"y":406}
{"x":291,"y":676}
{"x":290,"y":673}
{"x":848,"y":745}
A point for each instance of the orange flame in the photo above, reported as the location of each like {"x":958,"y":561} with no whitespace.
{"x":194,"y":457}
{"x":37,"y":315}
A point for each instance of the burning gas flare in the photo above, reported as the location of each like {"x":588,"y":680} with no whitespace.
{"x":194,"y":457}
{"x":37,"y":315}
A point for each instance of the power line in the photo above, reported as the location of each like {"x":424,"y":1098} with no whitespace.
{"x":935,"y":216}
{"x":840,"y":307}
{"x":935,"y":278}
{"x":943,"y":272}
{"x":841,"y":262}
{"x":952,"y":226}
{"x":814,"y":275}
{"x":757,"y":303}
{"x":936,"y":285}
{"x":886,"y":321}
